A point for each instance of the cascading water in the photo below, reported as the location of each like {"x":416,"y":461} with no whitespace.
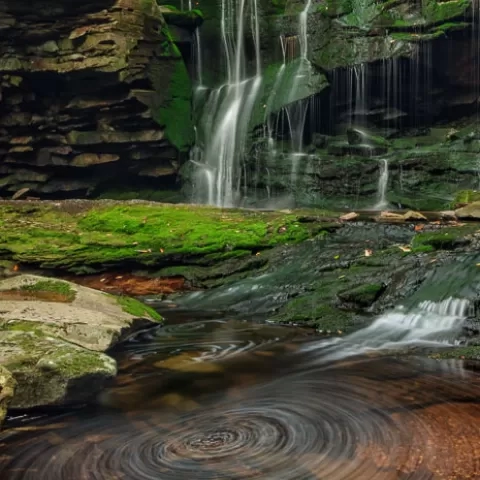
{"x":382,"y":186}
{"x":197,"y":52}
{"x":224,"y":122}
{"x":428,"y":324}
{"x":296,"y":111}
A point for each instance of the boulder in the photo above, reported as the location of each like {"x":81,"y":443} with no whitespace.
{"x":53,"y":334}
{"x":469,"y":212}
{"x":49,"y":371}
{"x":412,"y":216}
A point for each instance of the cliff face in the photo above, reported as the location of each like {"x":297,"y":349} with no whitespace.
{"x":94,"y":95}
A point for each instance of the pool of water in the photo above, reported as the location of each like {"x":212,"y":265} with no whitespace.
{"x":226,"y":399}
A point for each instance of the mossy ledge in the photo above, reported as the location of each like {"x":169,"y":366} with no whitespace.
{"x":83,"y":237}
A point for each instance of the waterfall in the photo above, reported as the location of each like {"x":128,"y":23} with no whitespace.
{"x":382,"y":186}
{"x":296,"y":111}
{"x":228,"y":109}
{"x":303,"y":30}
{"x":268,"y":108}
{"x":197,"y":52}
{"x":360,"y":72}
{"x":429,"y":323}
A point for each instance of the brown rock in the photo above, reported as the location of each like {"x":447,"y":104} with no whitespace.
{"x":389,"y":217}
{"x":20,"y":192}
{"x":412,"y":216}
{"x":469,"y":212}
{"x":87,"y":159}
{"x":348,"y":217}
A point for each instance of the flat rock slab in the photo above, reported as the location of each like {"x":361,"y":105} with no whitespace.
{"x":92,"y":319}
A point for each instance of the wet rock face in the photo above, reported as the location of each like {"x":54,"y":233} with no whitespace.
{"x":87,"y":89}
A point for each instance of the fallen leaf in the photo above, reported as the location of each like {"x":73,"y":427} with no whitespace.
{"x":336,"y":257}
{"x":419,"y":227}
{"x":162,"y":250}
{"x":404,"y":249}
{"x":368,"y":252}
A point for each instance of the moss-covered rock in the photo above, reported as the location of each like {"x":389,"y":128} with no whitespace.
{"x":444,"y":239}
{"x":363,"y":295}
{"x":53,"y":334}
{"x":88,"y":237}
{"x":75,"y":314}
{"x":49,"y":371}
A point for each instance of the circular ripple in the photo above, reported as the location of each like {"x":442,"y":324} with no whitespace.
{"x":360,"y":419}
{"x":209,"y":339}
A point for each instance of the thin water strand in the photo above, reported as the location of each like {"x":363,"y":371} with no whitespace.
{"x":382,"y":201}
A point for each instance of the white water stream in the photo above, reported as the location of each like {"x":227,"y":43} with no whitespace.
{"x":428,"y":324}
{"x":227,"y":113}
{"x":382,"y":186}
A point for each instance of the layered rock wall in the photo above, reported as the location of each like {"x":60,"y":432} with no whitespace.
{"x":95,"y":95}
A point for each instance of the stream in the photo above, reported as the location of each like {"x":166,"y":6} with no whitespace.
{"x":220,"y":398}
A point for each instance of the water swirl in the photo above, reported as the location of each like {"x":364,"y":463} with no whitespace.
{"x":366,"y":418}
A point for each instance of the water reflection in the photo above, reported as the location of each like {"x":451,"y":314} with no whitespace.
{"x":228,"y":400}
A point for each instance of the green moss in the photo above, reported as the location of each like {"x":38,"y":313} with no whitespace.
{"x":184,"y":19}
{"x":466,"y":196}
{"x":421,"y":249}
{"x":437,"y":12}
{"x":318,"y":313}
{"x":363,"y":295}
{"x":276,"y":7}
{"x":72,"y":364}
{"x":53,"y":286}
{"x":175,"y":112}
{"x":171,"y":7}
{"x":142,"y":235}
{"x":138,"y":309}
{"x":444,"y":239}
{"x":22,"y":326}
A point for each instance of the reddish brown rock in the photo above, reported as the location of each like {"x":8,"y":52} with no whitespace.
{"x":128,"y":284}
